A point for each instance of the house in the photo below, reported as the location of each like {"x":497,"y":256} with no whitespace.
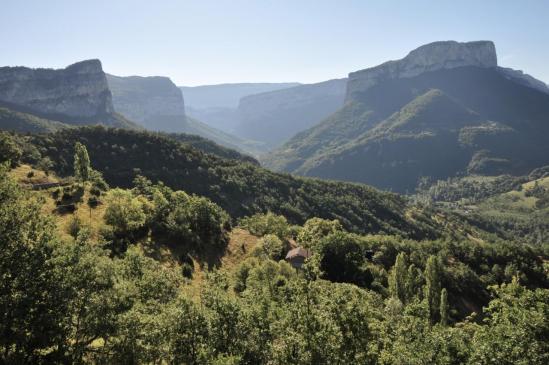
{"x":297,"y":256}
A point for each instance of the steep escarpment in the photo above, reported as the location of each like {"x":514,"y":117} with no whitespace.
{"x":275,"y":116}
{"x":80,"y":90}
{"x":462,"y":115}
{"x":77,"y":95}
{"x":430,"y":57}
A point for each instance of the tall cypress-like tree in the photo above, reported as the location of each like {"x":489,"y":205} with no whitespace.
{"x":399,"y":277}
{"x":82,"y":167}
{"x":444,"y":307}
{"x":433,"y":287}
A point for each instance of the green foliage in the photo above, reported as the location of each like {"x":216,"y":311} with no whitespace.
{"x":240,"y":188}
{"x":315,"y":229}
{"x":516,"y":329}
{"x":269,"y":223}
{"x":9,"y":149}
{"x":74,"y":227}
{"x":270,"y":246}
{"x":125,"y":213}
{"x":342,"y":259}
{"x":398,"y":278}
{"x":444,"y":307}
{"x":81,"y":162}
{"x":433,"y":273}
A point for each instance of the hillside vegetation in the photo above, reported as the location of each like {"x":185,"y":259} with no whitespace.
{"x":150,"y":274}
{"x":240,"y":188}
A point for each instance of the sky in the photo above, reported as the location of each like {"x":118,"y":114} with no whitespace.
{"x":198,"y":42}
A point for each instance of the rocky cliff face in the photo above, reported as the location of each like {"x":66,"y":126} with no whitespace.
{"x":80,"y":90}
{"x":154,"y":102}
{"x":430,"y":57}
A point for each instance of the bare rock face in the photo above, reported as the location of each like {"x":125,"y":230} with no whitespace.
{"x":154,"y":102}
{"x":80,"y":90}
{"x":430,"y":57}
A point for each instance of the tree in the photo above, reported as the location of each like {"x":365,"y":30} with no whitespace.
{"x":444,"y":307}
{"x":342,"y":259}
{"x":124,"y":211}
{"x":315,"y":229}
{"x":82,"y":166}
{"x":188,"y":333}
{"x":9,"y":150}
{"x":29,"y":312}
{"x":516,"y":330}
{"x":398,"y":278}
{"x":271,"y":246}
{"x":433,"y":287}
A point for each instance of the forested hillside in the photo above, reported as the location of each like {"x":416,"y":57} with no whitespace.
{"x":150,"y":274}
{"x":240,"y":188}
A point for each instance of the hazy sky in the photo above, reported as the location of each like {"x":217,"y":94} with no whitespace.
{"x":208,"y":42}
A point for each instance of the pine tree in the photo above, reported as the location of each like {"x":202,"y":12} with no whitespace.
{"x":399,"y":277}
{"x":444,"y":307}
{"x":82,"y":167}
{"x":433,"y":287}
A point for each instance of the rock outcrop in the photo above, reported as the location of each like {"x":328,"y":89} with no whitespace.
{"x":430,"y":57}
{"x":79,"y":91}
{"x":154,"y":102}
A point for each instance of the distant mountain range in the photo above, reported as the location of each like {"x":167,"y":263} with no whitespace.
{"x":445,"y":109}
{"x":269,"y":113}
{"x":217,"y":105}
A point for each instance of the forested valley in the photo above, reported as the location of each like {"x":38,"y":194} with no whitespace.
{"x":134,"y":247}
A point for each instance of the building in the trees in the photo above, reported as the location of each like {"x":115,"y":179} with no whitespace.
{"x":297,"y":256}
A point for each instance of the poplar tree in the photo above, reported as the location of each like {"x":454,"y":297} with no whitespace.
{"x":82,"y":167}
{"x":433,"y":287}
{"x":444,"y":307}
{"x":399,"y":277}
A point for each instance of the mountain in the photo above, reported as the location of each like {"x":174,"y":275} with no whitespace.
{"x":276,"y":116}
{"x":78,"y":94}
{"x":445,"y":109}
{"x":157,"y":104}
{"x":217,"y":104}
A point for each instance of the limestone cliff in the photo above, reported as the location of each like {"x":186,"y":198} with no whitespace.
{"x":80,"y":90}
{"x":154,"y":102}
{"x":430,"y":57}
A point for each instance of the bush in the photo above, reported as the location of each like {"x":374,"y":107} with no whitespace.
{"x":261,"y":224}
{"x":270,"y":246}
{"x":74,"y":227}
